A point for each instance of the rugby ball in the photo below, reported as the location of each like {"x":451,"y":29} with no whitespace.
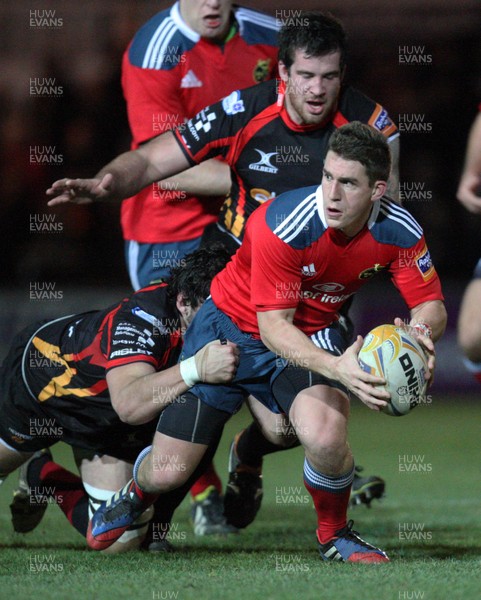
{"x":392,"y":353}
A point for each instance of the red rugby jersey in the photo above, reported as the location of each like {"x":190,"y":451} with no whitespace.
{"x":169,"y":73}
{"x":290,"y":258}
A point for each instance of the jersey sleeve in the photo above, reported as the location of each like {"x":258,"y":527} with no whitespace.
{"x":132,"y":338}
{"x":414,"y":275}
{"x":153,"y":101}
{"x":213,"y":130}
{"x":276,"y":268}
{"x":355,"y":106}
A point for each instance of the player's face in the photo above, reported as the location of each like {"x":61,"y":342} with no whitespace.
{"x":348,"y":196}
{"x":209,"y":18}
{"x":313,"y":87}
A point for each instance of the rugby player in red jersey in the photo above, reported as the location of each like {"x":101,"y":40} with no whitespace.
{"x":318,"y":243}
{"x":274,"y":136}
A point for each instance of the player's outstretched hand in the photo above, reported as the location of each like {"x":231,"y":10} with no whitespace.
{"x":80,"y":191}
{"x":364,"y":385}
{"x":427,"y":345}
{"x":217,"y":362}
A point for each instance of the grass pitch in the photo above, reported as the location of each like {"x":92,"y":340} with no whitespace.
{"x":429,"y":523}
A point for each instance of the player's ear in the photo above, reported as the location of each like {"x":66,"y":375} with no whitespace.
{"x":283,"y":71}
{"x":378,"y":190}
{"x":186,"y":310}
{"x":182,"y":305}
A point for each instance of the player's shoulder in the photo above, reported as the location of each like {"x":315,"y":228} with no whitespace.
{"x":151,"y":307}
{"x":294,"y":216}
{"x":392,"y":224}
{"x":160,"y":43}
{"x":354,"y":105}
{"x":252,"y":100}
{"x":256,"y":27}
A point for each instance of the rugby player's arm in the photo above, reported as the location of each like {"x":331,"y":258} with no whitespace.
{"x":139,"y":393}
{"x":126,"y":175}
{"x":281,"y":336}
{"x":210,"y":178}
{"x":393,"y":182}
{"x":469,"y":189}
{"x":433,"y":314}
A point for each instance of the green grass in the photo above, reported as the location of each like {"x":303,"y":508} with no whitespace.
{"x":429,"y":523}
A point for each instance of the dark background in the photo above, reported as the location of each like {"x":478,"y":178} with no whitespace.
{"x":86,"y":124}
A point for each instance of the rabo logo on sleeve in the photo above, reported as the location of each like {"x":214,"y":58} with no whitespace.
{"x":425,"y":264}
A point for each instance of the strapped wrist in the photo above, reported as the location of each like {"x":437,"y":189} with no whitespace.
{"x":423,"y":329}
{"x":188,"y":371}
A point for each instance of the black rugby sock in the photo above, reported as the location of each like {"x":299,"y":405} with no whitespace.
{"x":252,"y":446}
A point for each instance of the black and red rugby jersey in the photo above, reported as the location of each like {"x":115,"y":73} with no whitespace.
{"x":268,"y":153}
{"x":66,"y":360}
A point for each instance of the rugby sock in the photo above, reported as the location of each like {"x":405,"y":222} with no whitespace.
{"x":48,"y":479}
{"x":251,"y":446}
{"x":331,"y":499}
{"x":146,"y":498}
{"x":207,"y":480}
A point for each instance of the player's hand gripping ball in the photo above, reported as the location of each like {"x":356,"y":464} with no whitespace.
{"x":392,"y":353}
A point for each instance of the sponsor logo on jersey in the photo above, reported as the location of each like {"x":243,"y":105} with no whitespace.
{"x":203,"y":120}
{"x":382,"y":120}
{"x":264,"y":163}
{"x":233,"y":104}
{"x":129,"y":351}
{"x":329,"y":287}
{"x":323,"y":297}
{"x":368,"y":273}
{"x":309,"y":270}
{"x":190,"y":80}
{"x":425,"y":264}
{"x":261,"y":70}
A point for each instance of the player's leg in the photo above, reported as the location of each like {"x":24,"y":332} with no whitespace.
{"x":22,"y":437}
{"x":25,"y":515}
{"x":151,"y":262}
{"x":10,"y":459}
{"x":197,"y":420}
{"x":102,"y":475}
{"x":268,"y":433}
{"x":469,"y":324}
{"x":319,"y":414}
{"x":244,"y":489}
{"x":187,"y":436}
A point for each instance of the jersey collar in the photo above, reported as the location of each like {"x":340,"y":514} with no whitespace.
{"x":193,"y":35}
{"x":182,"y":25}
{"x":281,"y":96}
{"x":320,"y":206}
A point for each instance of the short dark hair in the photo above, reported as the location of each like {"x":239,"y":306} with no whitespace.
{"x":317,"y":34}
{"x":193,"y":277}
{"x":361,"y":142}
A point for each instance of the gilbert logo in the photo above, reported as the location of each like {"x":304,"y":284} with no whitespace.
{"x":264,"y":163}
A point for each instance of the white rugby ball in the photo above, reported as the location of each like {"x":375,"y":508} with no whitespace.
{"x":392,"y":353}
